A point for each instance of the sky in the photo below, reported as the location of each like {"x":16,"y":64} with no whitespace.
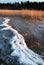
{"x":12,"y":1}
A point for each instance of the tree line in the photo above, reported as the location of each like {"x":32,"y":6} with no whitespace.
{"x":23,"y":5}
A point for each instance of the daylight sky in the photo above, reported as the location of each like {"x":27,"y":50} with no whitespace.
{"x":12,"y":1}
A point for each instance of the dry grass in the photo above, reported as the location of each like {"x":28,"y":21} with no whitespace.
{"x":32,"y":13}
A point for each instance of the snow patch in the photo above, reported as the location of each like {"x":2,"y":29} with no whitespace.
{"x":20,"y":49}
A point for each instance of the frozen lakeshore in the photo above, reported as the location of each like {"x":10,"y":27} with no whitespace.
{"x":13,"y":49}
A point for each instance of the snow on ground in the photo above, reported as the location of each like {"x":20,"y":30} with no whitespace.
{"x":19,"y":47}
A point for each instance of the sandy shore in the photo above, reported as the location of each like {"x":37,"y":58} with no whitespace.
{"x":31,"y":13}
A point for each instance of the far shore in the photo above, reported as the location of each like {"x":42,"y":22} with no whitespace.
{"x":37,"y":13}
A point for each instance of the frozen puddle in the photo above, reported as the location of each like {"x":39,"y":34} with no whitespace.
{"x":18,"y":45}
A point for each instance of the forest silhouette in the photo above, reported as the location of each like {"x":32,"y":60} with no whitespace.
{"x":23,"y":5}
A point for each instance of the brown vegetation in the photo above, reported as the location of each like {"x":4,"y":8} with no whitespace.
{"x":32,"y":13}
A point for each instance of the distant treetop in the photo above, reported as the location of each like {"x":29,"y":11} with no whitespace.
{"x":23,"y":5}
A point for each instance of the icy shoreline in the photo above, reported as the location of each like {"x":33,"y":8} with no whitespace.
{"x":18,"y":45}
